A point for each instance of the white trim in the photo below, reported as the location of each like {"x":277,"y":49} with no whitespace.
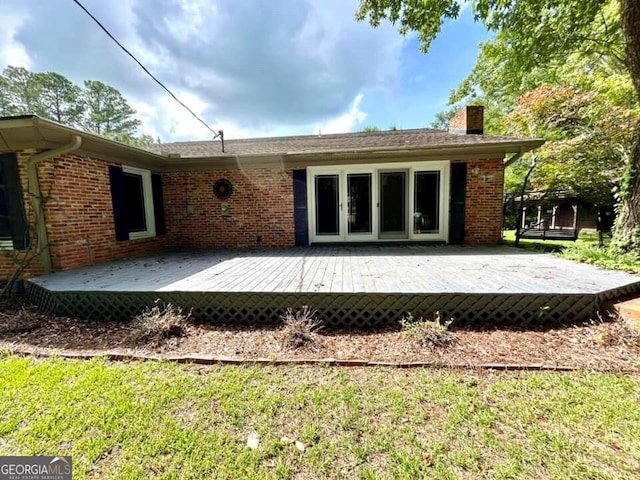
{"x":442,"y":166}
{"x":443,"y":233}
{"x":147,"y":192}
{"x":311,"y":205}
{"x":407,"y":203}
{"x":360,"y":237}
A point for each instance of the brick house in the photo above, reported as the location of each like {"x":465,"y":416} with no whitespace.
{"x":83,"y":199}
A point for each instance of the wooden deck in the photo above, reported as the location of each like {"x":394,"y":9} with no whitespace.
{"x":350,"y":284}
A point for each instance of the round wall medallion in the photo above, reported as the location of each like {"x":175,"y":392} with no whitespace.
{"x":223,"y":189}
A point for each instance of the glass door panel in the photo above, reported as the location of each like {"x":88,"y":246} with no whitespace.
{"x":359,"y":203}
{"x":393,"y":204}
{"x":327,"y":191}
{"x":426,"y":207}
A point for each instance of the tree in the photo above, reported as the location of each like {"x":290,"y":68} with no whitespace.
{"x":143,"y":140}
{"x":19,"y":90}
{"x":59,"y":99}
{"x":535,"y":33}
{"x":627,"y":227}
{"x":107,"y":112}
{"x":441,"y":122}
{"x":6,"y":107}
{"x":587,"y":140}
{"x":502,"y":72}
{"x":98,"y":107}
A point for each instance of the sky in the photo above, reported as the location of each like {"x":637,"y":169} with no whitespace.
{"x":253,"y":68}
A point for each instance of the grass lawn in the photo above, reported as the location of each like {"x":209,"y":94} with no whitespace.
{"x":585,"y":249}
{"x":584,"y":240}
{"x":163,"y":420}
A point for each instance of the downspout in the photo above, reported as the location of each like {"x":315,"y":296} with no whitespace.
{"x":36,"y":196}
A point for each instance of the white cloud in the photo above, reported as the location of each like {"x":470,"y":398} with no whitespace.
{"x":250,"y":68}
{"x":345,"y":122}
{"x":171,"y":118}
{"x":169,"y":121}
{"x":13,"y":52}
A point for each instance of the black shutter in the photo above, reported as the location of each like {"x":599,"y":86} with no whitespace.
{"x":119,"y":202}
{"x":458,"y":197}
{"x":13,"y":197}
{"x":300,"y":207}
{"x":158,"y":204}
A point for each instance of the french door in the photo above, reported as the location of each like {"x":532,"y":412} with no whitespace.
{"x":343,"y":206}
{"x":382,"y":203}
{"x":328,"y":206}
{"x":394,"y":194}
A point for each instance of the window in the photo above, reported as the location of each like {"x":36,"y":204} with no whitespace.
{"x":137,"y":203}
{"x":139,"y":198}
{"x":5,"y":216}
{"x":426,"y":216}
{"x":13,"y":225}
{"x":327,"y":206}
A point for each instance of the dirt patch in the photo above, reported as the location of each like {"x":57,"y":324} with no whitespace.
{"x":578,"y":345}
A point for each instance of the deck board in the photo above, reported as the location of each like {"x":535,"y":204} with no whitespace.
{"x":347,"y":286}
{"x":388,"y":269}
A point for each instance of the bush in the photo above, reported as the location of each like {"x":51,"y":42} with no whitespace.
{"x":299,"y":328}
{"x":623,"y":333}
{"x":160,"y":323}
{"x":603,"y":257}
{"x":428,"y":334}
{"x":24,"y":319}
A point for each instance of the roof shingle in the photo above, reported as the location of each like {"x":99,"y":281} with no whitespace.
{"x":343,"y":142}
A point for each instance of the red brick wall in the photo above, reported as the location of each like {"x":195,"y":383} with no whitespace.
{"x":483,"y":206}
{"x":261,"y":209}
{"x":78,"y":214}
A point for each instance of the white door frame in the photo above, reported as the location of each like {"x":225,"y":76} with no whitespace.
{"x":442,"y":166}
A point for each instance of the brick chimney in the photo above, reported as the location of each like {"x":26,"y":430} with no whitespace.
{"x":468,"y":121}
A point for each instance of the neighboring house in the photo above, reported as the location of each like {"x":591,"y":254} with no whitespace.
{"x":560,"y":210}
{"x":90,"y":199}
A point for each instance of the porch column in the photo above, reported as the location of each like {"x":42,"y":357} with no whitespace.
{"x":553,"y":216}
{"x":539,"y":214}
{"x":524,"y":217}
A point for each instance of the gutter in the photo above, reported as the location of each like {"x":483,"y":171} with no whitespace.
{"x":36,"y":196}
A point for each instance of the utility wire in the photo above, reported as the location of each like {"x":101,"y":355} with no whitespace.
{"x":215,"y":134}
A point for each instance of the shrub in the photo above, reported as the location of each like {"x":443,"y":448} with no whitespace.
{"x":24,"y":319}
{"x":623,"y":333}
{"x":603,"y":257}
{"x":161,"y":323}
{"x":299,"y":328}
{"x":428,"y":333}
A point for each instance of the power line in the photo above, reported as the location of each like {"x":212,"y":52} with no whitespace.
{"x":217,"y":134}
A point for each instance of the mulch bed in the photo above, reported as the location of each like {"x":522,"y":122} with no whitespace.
{"x":596,"y":345}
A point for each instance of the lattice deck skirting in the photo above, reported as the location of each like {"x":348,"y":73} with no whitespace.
{"x":336,"y":309}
